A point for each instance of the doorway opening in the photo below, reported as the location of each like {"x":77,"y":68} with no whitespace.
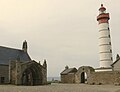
{"x":27,"y":77}
{"x":83,"y":77}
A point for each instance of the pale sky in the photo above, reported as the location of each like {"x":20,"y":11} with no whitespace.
{"x":64,"y":32}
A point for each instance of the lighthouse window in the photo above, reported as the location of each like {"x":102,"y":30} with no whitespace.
{"x":108,"y":28}
{"x":109,"y":36}
{"x":111,"y":58}
{"x":110,"y":50}
{"x":109,"y":43}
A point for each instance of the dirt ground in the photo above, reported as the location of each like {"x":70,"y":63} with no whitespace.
{"x":60,"y":88}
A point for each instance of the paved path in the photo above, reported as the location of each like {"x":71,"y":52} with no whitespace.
{"x":61,"y":88}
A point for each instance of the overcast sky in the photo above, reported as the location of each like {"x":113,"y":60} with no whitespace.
{"x":65,"y":32}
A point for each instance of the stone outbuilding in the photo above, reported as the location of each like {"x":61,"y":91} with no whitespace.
{"x":88,"y":75}
{"x":83,"y":74}
{"x":68,"y":75}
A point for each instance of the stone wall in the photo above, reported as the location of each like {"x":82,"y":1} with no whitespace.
{"x":108,"y":77}
{"x":68,"y":78}
{"x":44,"y":74}
{"x":4,"y":73}
{"x":97,"y":78}
{"x":12,"y":68}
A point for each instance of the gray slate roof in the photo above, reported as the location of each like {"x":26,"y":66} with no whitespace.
{"x":7,"y":54}
{"x":69,"y":70}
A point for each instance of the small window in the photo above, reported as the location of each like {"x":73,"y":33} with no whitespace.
{"x":108,"y":28}
{"x":110,"y":50}
{"x":2,"y":79}
{"x":111,"y":58}
{"x":109,"y":43}
{"x":109,"y":36}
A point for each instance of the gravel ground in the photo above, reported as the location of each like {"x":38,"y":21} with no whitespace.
{"x":61,"y":88}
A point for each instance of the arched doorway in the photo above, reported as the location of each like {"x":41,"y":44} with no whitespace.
{"x":83,"y":77}
{"x":32,"y":75}
{"x":27,"y":77}
{"x":83,"y":74}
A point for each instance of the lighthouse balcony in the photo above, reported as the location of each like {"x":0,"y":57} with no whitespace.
{"x":103,"y":16}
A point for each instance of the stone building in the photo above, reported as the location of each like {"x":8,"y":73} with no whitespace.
{"x":72,"y":75}
{"x":68,"y":75}
{"x":88,"y":75}
{"x":16,"y":67}
{"x":83,"y":74}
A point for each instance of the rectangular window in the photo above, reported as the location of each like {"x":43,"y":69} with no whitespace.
{"x":110,"y":50}
{"x":109,"y":43}
{"x":111,"y":58}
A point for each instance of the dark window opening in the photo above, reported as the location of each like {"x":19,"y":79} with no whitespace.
{"x":110,"y":43}
{"x":2,"y":79}
{"x":110,"y":50}
{"x":111,"y":58}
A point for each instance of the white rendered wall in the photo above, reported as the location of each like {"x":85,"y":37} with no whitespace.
{"x":103,"y":26}
{"x":104,"y":40}
{"x":105,"y":48}
{"x":101,"y":70}
{"x":105,"y":56}
{"x":105,"y":51}
{"x":104,"y":33}
{"x":105,"y":64}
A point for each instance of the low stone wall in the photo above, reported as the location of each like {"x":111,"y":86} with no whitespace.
{"x":109,"y":77}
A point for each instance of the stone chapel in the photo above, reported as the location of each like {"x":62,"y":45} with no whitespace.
{"x":17,"y":67}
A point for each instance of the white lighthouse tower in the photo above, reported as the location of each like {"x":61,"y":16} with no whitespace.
{"x":105,"y":50}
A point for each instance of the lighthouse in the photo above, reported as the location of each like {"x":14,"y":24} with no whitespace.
{"x":105,"y":50}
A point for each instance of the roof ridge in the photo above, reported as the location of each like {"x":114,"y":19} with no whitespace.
{"x":11,"y":48}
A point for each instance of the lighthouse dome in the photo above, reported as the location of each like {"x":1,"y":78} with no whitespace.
{"x":102,"y":9}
